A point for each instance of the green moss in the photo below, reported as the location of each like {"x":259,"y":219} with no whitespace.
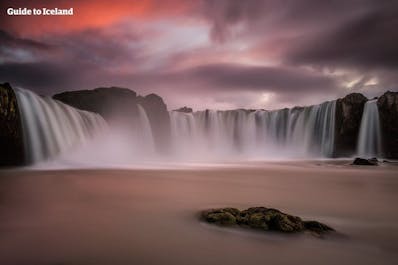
{"x":258,"y":221}
{"x":263,"y":219}
{"x":223,"y":218}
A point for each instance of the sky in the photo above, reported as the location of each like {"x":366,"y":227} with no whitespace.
{"x":220,"y":54}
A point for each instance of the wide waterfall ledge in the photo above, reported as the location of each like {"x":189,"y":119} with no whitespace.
{"x":52,"y":129}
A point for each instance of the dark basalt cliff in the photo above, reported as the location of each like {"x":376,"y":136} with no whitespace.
{"x":348,"y":122}
{"x":112,"y":103}
{"x":11,"y":138}
{"x":159,"y":119}
{"x":388,"y":113}
{"x":117,"y":104}
{"x":184,"y":109}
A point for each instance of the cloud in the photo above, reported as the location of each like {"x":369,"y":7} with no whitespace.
{"x":9,"y":40}
{"x":277,"y":79}
{"x":213,"y":85}
{"x":87,"y":14}
{"x":365,"y":41}
{"x":16,"y":49}
{"x":333,"y":33}
{"x":224,"y":53}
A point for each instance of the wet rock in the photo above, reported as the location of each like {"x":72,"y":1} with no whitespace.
{"x":226,"y":216}
{"x":262,"y":218}
{"x":159,"y":119}
{"x":348,"y":121}
{"x":120,"y":105}
{"x":11,"y":136}
{"x":365,"y":162}
{"x":388,"y":113}
{"x":112,"y":103}
{"x":316,"y":227}
{"x":287,"y":223}
{"x":184,"y":109}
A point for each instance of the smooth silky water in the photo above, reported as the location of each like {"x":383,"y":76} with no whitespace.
{"x":150,"y":216}
{"x":369,"y":141}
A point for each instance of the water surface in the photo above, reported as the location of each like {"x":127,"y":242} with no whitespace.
{"x":149,"y":216}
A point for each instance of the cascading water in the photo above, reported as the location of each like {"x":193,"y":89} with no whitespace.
{"x":369,"y":141}
{"x":51,"y":127}
{"x":144,"y":131}
{"x":298,"y":132}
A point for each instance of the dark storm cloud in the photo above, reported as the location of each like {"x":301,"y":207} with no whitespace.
{"x":17,"y":49}
{"x":117,"y":44}
{"x":328,"y":33}
{"x":231,"y":50}
{"x":370,"y":40}
{"x":65,"y":61}
{"x":101,"y":46}
{"x":271,"y":16}
{"x":235,"y":77}
{"x":9,"y":40}
{"x":223,"y":78}
{"x":70,"y":61}
{"x":47,"y":78}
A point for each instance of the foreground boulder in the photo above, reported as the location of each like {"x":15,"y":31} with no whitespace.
{"x":365,"y":162}
{"x":262,"y":218}
{"x":11,"y":136}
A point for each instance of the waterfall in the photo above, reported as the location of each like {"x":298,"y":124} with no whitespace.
{"x":144,"y":131}
{"x":297,"y":132}
{"x":369,"y":142}
{"x":51,"y":127}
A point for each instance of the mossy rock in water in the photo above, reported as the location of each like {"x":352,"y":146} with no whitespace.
{"x":262,"y":218}
{"x":287,"y":223}
{"x":257,"y":220}
{"x":226,"y":216}
{"x":316,"y":227}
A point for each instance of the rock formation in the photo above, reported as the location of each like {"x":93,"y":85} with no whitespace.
{"x":117,"y":104}
{"x":112,"y":103}
{"x":184,"y":109}
{"x":265,"y":219}
{"x":388,"y":113}
{"x":365,"y":162}
{"x":348,"y":121}
{"x":11,"y":137}
{"x":159,"y":119}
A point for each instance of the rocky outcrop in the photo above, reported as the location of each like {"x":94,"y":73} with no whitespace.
{"x":112,"y":103}
{"x":348,"y":122}
{"x":388,"y":113}
{"x":365,"y":162}
{"x":184,"y":109}
{"x":265,"y":219}
{"x":119,"y":105}
{"x":11,"y":136}
{"x":159,"y":118}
